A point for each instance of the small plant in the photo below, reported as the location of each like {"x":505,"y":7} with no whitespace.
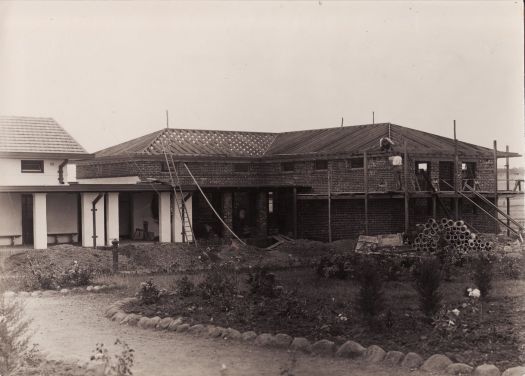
{"x":262,"y":282}
{"x":483,"y":276}
{"x":184,"y":287}
{"x":39,"y":274}
{"x":149,"y":293}
{"x":219,"y":282}
{"x":370,"y":298}
{"x":120,"y":364}
{"x":76,"y":276}
{"x":428,"y":281}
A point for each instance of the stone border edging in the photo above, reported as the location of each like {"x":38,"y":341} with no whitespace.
{"x":349,"y":349}
{"x":64,"y":291}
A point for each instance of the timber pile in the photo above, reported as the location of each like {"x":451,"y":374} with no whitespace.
{"x":447,"y":232}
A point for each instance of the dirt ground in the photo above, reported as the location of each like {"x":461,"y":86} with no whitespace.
{"x":68,"y":328}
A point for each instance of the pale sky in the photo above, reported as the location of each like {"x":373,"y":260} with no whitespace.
{"x":108,"y":71}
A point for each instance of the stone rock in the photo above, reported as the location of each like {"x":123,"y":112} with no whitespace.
{"x":264,"y":339}
{"x":64,"y":291}
{"x":458,"y":369}
{"x":182,"y":328}
{"x":111,"y":311}
{"x":514,"y":371}
{"x":282,"y":340}
{"x":36,"y":294}
{"x":197,"y":329}
{"x":393,"y":358}
{"x":119,"y":316}
{"x":164,"y":323}
{"x":142,"y":322}
{"x":215,"y":331}
{"x":412,"y":360}
{"x":323,"y":347}
{"x":249,"y":336}
{"x":97,"y":288}
{"x":350,"y":349}
{"x":132,"y":319}
{"x":24,"y":294}
{"x":174,"y":324}
{"x":153,"y":322}
{"x":436,"y":363}
{"x":231,"y":333}
{"x":374,"y":354}
{"x":49,"y":293}
{"x":301,"y":344}
{"x":89,"y":288}
{"x":486,"y":370}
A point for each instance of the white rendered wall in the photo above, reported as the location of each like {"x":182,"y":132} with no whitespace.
{"x":10,"y":217}
{"x":112,"y":217}
{"x":116,"y":180}
{"x":62,"y":216}
{"x":164,"y":217}
{"x":39,"y":221}
{"x":87,"y":220}
{"x":12,"y":174}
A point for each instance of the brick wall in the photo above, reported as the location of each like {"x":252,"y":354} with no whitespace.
{"x":381,"y":175}
{"x":348,"y":218}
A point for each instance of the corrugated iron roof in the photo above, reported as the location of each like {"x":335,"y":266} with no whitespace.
{"x":348,"y":139}
{"x":36,"y":135}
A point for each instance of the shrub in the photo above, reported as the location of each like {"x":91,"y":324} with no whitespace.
{"x":184,"y":287}
{"x":149,"y":293}
{"x":340,"y":266}
{"x":370,"y":298}
{"x":120,"y":365}
{"x":39,"y":273}
{"x":427,"y":285}
{"x":483,"y":276}
{"x":219,"y":281}
{"x":76,"y":276}
{"x":14,"y":336}
{"x":262,"y":282}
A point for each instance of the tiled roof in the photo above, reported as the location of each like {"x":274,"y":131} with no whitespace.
{"x":195,"y":142}
{"x":35,"y":135}
{"x":348,"y":139}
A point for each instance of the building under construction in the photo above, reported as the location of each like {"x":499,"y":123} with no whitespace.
{"x":323,"y":184}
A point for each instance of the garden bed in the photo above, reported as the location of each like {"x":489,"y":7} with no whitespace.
{"x":317,"y":308}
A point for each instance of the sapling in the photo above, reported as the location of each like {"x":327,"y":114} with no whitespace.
{"x":427,"y":285}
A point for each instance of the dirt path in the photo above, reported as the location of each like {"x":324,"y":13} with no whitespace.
{"x":68,"y":328}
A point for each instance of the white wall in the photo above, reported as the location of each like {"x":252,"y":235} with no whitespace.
{"x":11,"y":173}
{"x":10,"y":217}
{"x":116,"y":180}
{"x":62,"y":215}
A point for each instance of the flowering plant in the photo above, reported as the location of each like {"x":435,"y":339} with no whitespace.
{"x":460,"y":317}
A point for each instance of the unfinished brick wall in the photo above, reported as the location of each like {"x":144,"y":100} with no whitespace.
{"x":348,"y":218}
{"x":344,"y":178}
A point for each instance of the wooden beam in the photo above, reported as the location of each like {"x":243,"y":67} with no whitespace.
{"x":365,"y":165}
{"x":329,"y":203}
{"x":405,"y":168}
{"x":294,"y":212}
{"x":456,"y":173}
{"x":496,"y":224}
{"x":507,"y":178}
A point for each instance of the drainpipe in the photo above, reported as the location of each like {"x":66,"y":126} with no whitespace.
{"x":94,"y":210}
{"x":61,"y":171}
